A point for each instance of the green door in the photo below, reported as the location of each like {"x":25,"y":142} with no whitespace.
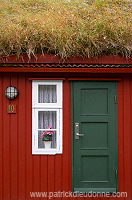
{"x":94,"y":136}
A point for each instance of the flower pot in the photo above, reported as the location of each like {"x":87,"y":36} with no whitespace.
{"x":47,"y":144}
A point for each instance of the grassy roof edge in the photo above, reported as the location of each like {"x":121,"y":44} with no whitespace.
{"x":66,"y":28}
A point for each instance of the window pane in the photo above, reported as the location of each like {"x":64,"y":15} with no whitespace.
{"x":47,"y":119}
{"x":42,"y":144}
{"x":47,"y":94}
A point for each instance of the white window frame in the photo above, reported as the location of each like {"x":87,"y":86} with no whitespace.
{"x":47,"y":105}
{"x":36,"y":107}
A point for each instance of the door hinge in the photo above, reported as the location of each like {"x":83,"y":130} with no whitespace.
{"x":115,"y":99}
{"x":116,"y":173}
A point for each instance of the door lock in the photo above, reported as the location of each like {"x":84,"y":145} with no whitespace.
{"x":77,"y":134}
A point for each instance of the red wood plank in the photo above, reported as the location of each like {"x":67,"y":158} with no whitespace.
{"x":46,"y":79}
{"x":21,"y":137}
{"x":6,"y":143}
{"x":107,"y":198}
{"x":51,"y":175}
{"x":58,"y":173}
{"x":121,"y":136}
{"x":28,"y":123}
{"x":127,"y":139}
{"x":44,"y":175}
{"x":70,"y":70}
{"x":96,"y":79}
{"x":81,"y":197}
{"x":67,"y":140}
{"x":131,"y":129}
{"x":36,"y":173}
{"x":14,"y":145}
{"x":1,"y":136}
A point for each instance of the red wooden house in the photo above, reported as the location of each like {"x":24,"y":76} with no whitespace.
{"x":84,"y":106}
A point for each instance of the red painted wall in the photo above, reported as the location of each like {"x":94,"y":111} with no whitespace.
{"x":22,"y":173}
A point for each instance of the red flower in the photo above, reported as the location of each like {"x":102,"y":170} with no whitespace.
{"x":47,"y":132}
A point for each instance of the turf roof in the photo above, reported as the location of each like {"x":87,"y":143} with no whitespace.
{"x":84,"y":28}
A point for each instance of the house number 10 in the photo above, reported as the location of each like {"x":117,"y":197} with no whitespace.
{"x":11,"y":109}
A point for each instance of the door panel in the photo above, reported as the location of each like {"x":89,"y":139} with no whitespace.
{"x":89,"y":96}
{"x":95,"y":150}
{"x":89,"y":141}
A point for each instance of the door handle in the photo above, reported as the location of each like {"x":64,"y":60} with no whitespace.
{"x":77,"y":134}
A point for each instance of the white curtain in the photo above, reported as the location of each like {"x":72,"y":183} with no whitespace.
{"x":47,"y":94}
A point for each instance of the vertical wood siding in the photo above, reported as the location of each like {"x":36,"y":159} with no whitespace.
{"x":22,"y":173}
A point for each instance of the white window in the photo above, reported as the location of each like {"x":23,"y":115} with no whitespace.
{"x":46,"y":117}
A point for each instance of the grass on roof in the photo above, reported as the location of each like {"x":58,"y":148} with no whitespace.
{"x":68,"y":28}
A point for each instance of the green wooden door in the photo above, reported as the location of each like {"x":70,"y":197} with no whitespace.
{"x":95,"y":150}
